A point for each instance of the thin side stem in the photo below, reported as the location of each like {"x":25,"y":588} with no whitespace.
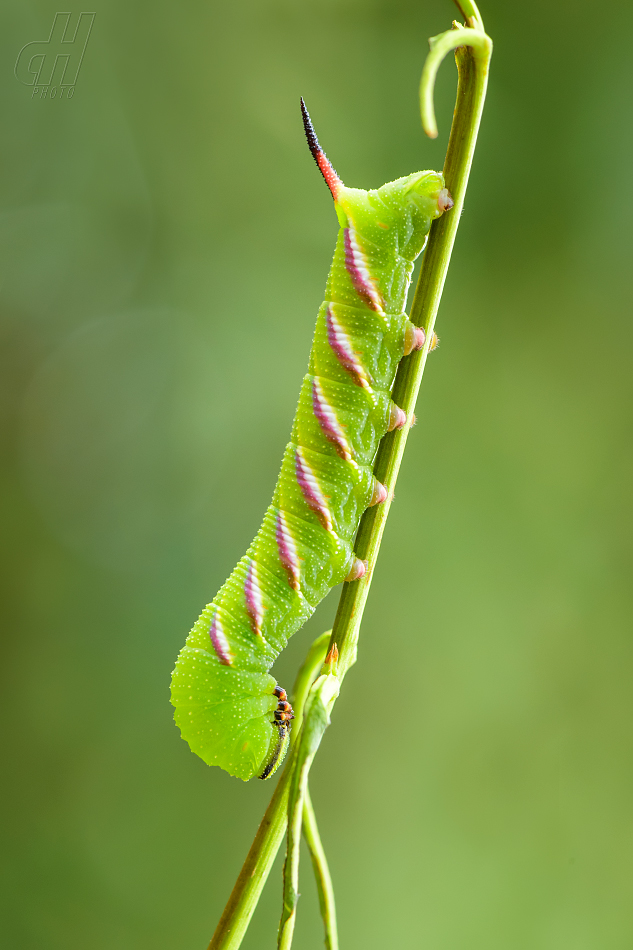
{"x":305,"y":678}
{"x":296,"y":800}
{"x":321,"y":873}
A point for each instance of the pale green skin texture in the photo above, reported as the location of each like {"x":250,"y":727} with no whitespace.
{"x":224,"y":712}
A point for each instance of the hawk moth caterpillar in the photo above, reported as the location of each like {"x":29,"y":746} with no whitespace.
{"x":228,"y":707}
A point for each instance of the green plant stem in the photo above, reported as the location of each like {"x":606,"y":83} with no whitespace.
{"x":250,"y":882}
{"x":321,"y":873}
{"x":263,"y":851}
{"x":470,"y":13}
{"x":472,"y":65}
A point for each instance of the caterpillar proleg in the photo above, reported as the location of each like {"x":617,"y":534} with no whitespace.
{"x":228,"y":707}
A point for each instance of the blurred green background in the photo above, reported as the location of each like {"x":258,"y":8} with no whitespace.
{"x":165,"y":238}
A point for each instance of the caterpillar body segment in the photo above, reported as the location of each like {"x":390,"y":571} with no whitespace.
{"x":229,"y":709}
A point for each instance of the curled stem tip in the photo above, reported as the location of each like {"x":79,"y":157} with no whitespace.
{"x":441,"y":45}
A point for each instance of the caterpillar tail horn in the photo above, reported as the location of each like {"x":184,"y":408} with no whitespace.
{"x":332,"y":180}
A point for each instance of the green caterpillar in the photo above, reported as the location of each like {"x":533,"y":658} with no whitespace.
{"x":228,"y":707}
